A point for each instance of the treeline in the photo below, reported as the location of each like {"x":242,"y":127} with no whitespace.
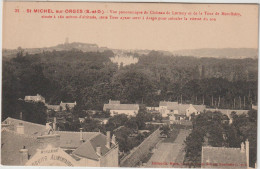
{"x":91,"y":79}
{"x":183,"y":69}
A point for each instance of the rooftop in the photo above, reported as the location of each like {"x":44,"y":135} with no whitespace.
{"x":34,"y":98}
{"x":71,"y":140}
{"x":199,"y":108}
{"x":166,"y":103}
{"x":32,"y":129}
{"x":12,"y":142}
{"x":88,"y":148}
{"x":222,"y":157}
{"x":121,"y":107}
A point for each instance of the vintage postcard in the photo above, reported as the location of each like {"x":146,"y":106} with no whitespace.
{"x":149,"y":85}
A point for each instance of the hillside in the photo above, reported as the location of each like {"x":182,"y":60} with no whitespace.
{"x":234,"y":53}
{"x":229,"y":53}
{"x":85,"y":47}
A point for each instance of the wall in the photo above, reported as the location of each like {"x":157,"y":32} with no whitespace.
{"x":141,"y":151}
{"x":127,"y":112}
{"x":110,"y":159}
{"x":191,"y":110}
{"x":88,"y":163}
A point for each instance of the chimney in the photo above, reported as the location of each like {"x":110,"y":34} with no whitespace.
{"x":23,"y":156}
{"x":21,"y":115}
{"x":242,"y":149}
{"x":48,"y":128}
{"x":20,"y":128}
{"x":247,"y":153}
{"x":98,"y":151}
{"x":54,"y":123}
{"x":113,"y":139}
{"x":108,"y":139}
{"x":52,"y":140}
{"x":81,"y":134}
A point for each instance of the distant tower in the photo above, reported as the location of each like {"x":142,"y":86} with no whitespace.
{"x":67,"y":40}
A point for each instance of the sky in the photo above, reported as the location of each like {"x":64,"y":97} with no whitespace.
{"x":29,"y":30}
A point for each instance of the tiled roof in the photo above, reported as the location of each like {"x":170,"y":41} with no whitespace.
{"x":223,"y":156}
{"x":88,"y":149}
{"x":182,"y":108}
{"x":175,"y":107}
{"x":165,"y":103}
{"x":71,"y":140}
{"x":12,"y":142}
{"x":32,"y":129}
{"x":121,"y":107}
{"x":199,"y":108}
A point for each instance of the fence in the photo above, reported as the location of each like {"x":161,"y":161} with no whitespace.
{"x":140,"y":152}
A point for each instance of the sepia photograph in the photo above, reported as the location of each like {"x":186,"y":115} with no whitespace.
{"x":116,"y":84}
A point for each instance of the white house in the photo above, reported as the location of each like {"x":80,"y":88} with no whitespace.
{"x":182,"y":111}
{"x":195,"y":109}
{"x":64,"y":106}
{"x":178,"y":112}
{"x":61,"y":106}
{"x":37,"y":98}
{"x":114,"y":107}
{"x":152,"y":108}
{"x":165,"y":108}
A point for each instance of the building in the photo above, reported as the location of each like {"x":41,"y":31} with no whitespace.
{"x":195,"y":109}
{"x":37,"y":98}
{"x":115,"y":108}
{"x":165,"y":108}
{"x":152,"y":109}
{"x":62,"y":106}
{"x":53,"y":107}
{"x":178,"y":112}
{"x":98,"y":151}
{"x":223,"y":157}
{"x":254,"y":107}
{"x":70,"y":106}
{"x":81,"y":120}
{"x":184,"y":111}
{"x":102,"y":120}
{"x":23,"y":127}
{"x":48,"y":147}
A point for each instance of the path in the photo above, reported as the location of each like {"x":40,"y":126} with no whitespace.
{"x":168,"y":153}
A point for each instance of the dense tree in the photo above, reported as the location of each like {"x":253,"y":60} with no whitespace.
{"x":30,"y":111}
{"x":91,"y":79}
{"x":116,"y":121}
